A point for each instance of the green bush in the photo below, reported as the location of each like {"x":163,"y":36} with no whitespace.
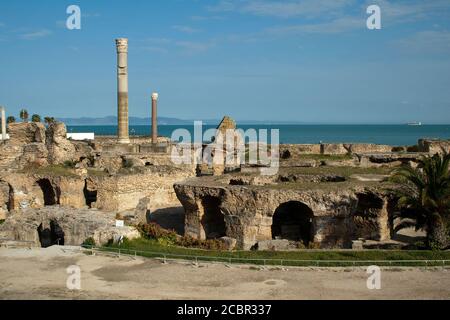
{"x":89,"y":242}
{"x":155,"y":231}
{"x":69,"y":164}
{"x":210,"y":244}
{"x":169,"y":238}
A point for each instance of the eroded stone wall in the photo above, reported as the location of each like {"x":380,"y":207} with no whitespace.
{"x":123,"y":192}
{"x":339,"y":216}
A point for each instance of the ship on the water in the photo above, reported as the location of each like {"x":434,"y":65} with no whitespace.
{"x":414,"y":123}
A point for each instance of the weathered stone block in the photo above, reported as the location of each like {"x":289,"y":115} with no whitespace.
{"x":333,"y":149}
{"x":26,"y":132}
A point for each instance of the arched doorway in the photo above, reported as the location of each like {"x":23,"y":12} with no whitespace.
{"x":90,"y":196}
{"x":51,"y":235}
{"x":48,"y":192}
{"x":213,"y":221}
{"x":293,"y":221}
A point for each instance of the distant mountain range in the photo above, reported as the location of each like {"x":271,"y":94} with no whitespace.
{"x":112,"y":120}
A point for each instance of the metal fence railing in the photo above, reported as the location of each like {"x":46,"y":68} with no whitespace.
{"x":269,"y":261}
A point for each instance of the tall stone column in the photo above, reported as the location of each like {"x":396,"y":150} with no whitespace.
{"x":3,"y":116}
{"x":154,"y":117}
{"x":122,"y":90}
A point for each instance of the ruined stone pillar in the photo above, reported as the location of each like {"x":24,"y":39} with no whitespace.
{"x":3,"y":116}
{"x":154,"y":118}
{"x":122,"y":90}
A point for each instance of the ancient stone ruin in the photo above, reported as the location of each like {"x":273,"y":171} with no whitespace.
{"x":54,"y":190}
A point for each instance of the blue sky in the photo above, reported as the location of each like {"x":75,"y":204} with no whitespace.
{"x":310,"y":61}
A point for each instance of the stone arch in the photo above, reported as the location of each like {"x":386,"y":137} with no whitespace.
{"x":285,"y":154}
{"x":213,"y":220}
{"x":90,"y":195}
{"x":50,"y":194}
{"x":293,"y":221}
{"x":51,"y":234}
{"x":10,"y":203}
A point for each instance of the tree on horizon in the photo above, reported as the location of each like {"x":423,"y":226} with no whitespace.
{"x":36,"y":118}
{"x":10,"y":119}
{"x":49,"y":120}
{"x":24,"y":115}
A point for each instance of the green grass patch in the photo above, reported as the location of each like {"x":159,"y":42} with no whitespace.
{"x":97,"y":173}
{"x":342,"y":171}
{"x":324,"y":157}
{"x":333,"y":258}
{"x":51,"y":170}
{"x":2,"y":221}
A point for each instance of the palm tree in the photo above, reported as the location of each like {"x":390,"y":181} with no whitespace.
{"x":24,"y":115}
{"x":10,"y":119}
{"x":425,"y":197}
{"x":49,"y":120}
{"x":36,"y":118}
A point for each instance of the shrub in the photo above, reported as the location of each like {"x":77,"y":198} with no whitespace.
{"x":90,"y":242}
{"x":210,"y":244}
{"x":170,"y":237}
{"x":69,"y":164}
{"x":155,"y":231}
{"x":314,"y":245}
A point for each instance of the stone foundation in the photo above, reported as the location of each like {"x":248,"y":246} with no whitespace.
{"x":338,"y":217}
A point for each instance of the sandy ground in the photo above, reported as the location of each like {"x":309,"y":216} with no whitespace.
{"x":41,"y":274}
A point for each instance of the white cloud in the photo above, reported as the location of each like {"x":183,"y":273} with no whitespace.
{"x":165,"y":45}
{"x":191,"y":47}
{"x":185,"y":29}
{"x":398,"y":9}
{"x":336,"y":26}
{"x":206,"y":18}
{"x":90,"y":15}
{"x":155,"y":49}
{"x":36,"y":35}
{"x":282,"y":9}
{"x":404,"y":11}
{"x":435,"y":42}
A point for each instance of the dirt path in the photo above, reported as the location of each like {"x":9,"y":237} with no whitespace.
{"x":41,"y":274}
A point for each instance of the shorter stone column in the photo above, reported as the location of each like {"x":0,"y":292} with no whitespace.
{"x":3,"y":116}
{"x":154,"y":118}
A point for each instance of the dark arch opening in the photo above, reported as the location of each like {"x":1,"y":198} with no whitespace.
{"x":52,"y":235}
{"x":10,"y":203}
{"x":90,"y":196}
{"x":213,"y":221}
{"x":50,"y":196}
{"x":286,"y":154}
{"x":293,"y":221}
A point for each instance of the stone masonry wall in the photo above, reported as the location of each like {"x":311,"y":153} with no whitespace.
{"x":338,"y":217}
